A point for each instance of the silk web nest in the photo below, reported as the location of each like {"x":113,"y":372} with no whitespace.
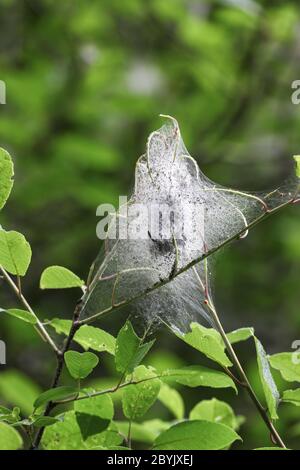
{"x":167,"y":277}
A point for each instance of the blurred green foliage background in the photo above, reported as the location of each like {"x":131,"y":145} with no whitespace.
{"x":86,"y":82}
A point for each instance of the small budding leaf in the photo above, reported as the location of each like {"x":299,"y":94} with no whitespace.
{"x":297,"y":160}
{"x":196,"y":435}
{"x":129,"y":349}
{"x":138,"y":398}
{"x":6,"y":176}
{"x":80,"y":365}
{"x":269,"y":387}
{"x":24,"y":315}
{"x":15,"y":252}
{"x":208,"y":341}
{"x":9,"y":416}
{"x":58,"y":277}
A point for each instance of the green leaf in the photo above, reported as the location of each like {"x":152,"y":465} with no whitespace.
{"x":10,"y":439}
{"x":196,"y":435}
{"x":129,"y":350}
{"x":287,"y":366}
{"x":242,"y":334}
{"x":138,"y":398}
{"x":146,"y":432}
{"x":208,"y":341}
{"x":6,"y":176}
{"x":24,"y":315}
{"x":297,"y":160}
{"x":4,"y":412}
{"x":58,"y":277}
{"x":93,"y":414}
{"x":101,"y":405}
{"x":43,"y":421}
{"x":215,"y":411}
{"x":172,"y":400}
{"x":80,"y":365}
{"x":91,"y":424}
{"x":55,"y":394}
{"x":269,"y":387}
{"x":66,"y":435}
{"x":198,"y":376}
{"x":17,"y":389}
{"x":89,"y":337}
{"x":15,"y":252}
{"x":292,"y":396}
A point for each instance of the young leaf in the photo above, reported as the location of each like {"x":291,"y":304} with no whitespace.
{"x":129,"y":350}
{"x":287,"y":366}
{"x":24,"y":315}
{"x":198,"y":376}
{"x":6,"y":176}
{"x":215,"y":411}
{"x":242,"y":334}
{"x":4,"y":412}
{"x":93,"y":414}
{"x":138,"y":398}
{"x":297,"y":160}
{"x":15,"y":252}
{"x":66,"y":435}
{"x":55,"y":394}
{"x":269,"y":387}
{"x":196,"y":435}
{"x":172,"y":400}
{"x":58,"y":277}
{"x":208,"y":341}
{"x":292,"y":396}
{"x":80,"y":365}
{"x":87,"y":336}
{"x":10,"y":416}
{"x":10,"y":439}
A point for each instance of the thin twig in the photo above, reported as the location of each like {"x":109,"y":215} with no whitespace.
{"x":39,"y":325}
{"x":244,"y":379}
{"x":60,"y":363}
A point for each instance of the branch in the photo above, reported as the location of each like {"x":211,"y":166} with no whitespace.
{"x":108,"y":390}
{"x":263,"y":216}
{"x":60,"y":363}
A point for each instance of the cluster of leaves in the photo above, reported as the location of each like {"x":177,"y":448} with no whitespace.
{"x":88,"y":420}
